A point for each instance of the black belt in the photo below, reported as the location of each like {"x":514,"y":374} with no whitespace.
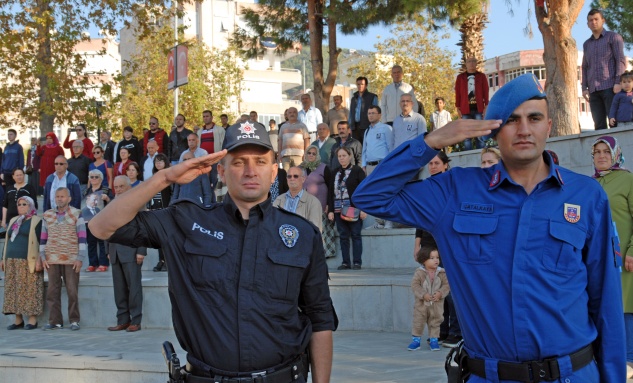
{"x":288,"y":374}
{"x":533,"y":371}
{"x":373,"y":163}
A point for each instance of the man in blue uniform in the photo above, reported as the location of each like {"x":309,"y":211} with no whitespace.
{"x":247,"y":282}
{"x":527,"y":246}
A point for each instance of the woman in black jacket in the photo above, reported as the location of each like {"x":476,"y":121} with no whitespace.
{"x":342,"y":187}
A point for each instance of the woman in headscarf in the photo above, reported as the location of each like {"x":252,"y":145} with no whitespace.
{"x":317,"y":184}
{"x":47,"y":154}
{"x":24,"y":277}
{"x":617,"y":182}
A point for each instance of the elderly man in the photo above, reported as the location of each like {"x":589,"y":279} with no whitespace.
{"x":126,"y":265}
{"x":324,"y":142}
{"x":61,"y":178}
{"x":238,"y":272}
{"x":390,"y":100}
{"x":107,"y":145}
{"x":79,"y":165}
{"x":527,"y":246}
{"x":336,"y":114}
{"x":297,"y":200}
{"x":63,"y":250}
{"x":147,"y":163}
{"x":193,"y":143}
{"x":309,"y":115}
{"x":409,"y":124}
{"x":294,"y":139}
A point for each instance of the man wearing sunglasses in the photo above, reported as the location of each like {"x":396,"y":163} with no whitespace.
{"x":61,"y":178}
{"x":297,"y":200}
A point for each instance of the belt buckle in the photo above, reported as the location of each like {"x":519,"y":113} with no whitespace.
{"x":258,"y":377}
{"x":538,"y":370}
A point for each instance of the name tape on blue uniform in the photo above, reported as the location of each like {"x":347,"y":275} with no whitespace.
{"x":477,"y":207}
{"x":572,"y":212}
{"x":289,"y":235}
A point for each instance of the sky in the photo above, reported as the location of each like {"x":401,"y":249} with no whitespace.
{"x":504,"y":33}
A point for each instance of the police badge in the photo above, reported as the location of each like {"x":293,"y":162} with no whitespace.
{"x":289,"y":235}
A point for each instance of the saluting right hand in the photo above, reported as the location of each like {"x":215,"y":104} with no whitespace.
{"x":187,"y":171}
{"x":459,"y":130}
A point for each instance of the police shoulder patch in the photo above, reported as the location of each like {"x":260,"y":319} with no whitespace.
{"x":572,"y":212}
{"x":289,"y":235}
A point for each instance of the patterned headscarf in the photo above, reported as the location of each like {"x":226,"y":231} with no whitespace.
{"x":311,"y":165}
{"x":15,"y":228}
{"x":617,"y":158}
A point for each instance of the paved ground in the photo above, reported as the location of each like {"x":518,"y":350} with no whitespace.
{"x":378,"y":357}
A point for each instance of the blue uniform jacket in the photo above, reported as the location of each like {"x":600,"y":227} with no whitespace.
{"x":528,"y":283}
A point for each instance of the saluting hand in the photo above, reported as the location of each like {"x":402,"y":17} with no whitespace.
{"x":188,"y":170}
{"x":458,"y":131}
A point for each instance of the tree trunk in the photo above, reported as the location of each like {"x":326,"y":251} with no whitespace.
{"x":333,"y":67}
{"x":561,"y":62}
{"x":472,"y":42}
{"x":315,"y":26}
{"x":45,"y":62}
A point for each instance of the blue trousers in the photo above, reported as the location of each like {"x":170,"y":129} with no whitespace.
{"x":480,"y":142}
{"x":96,"y":258}
{"x":346,"y":230}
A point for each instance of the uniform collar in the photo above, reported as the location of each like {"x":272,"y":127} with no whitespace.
{"x":262,"y":209}
{"x":500,"y":174}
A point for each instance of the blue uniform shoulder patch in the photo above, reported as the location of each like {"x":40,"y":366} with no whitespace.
{"x":289,"y":235}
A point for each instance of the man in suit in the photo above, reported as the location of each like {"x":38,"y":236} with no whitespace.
{"x":126,"y":265}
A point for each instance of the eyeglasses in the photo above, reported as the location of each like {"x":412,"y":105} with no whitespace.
{"x":60,"y":163}
{"x":94,"y":177}
{"x":97,"y":152}
{"x":289,"y":176}
{"x":23,"y":204}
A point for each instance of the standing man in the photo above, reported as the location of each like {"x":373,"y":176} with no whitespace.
{"x":294,"y":139}
{"x":211,"y":139}
{"x":603,"y":62}
{"x":231,"y":259}
{"x":409,"y":124}
{"x":107,"y":145}
{"x":61,"y":178}
{"x":345,"y":139}
{"x":254,"y":118}
{"x":297,"y":200}
{"x":324,"y":142}
{"x":309,"y":115}
{"x":63,"y":250}
{"x":178,"y":140}
{"x":471,"y":97}
{"x":336,"y":114}
{"x":155,"y":133}
{"x":390,"y":100}
{"x":147,"y":163}
{"x":129,"y":142}
{"x":361,"y":101}
{"x":224,"y":121}
{"x":193,"y":147}
{"x":79,"y":165}
{"x":273,"y":135}
{"x":12,"y":158}
{"x":82,"y":134}
{"x":126,"y":265}
{"x":526,"y":244}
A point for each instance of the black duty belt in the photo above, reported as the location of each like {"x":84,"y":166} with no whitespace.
{"x":372,"y":163}
{"x":534,"y":371}
{"x":287,"y":374}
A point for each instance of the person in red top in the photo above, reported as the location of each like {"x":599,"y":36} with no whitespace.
{"x":154,"y":133}
{"x":47,"y":154}
{"x":120,"y":168}
{"x":211,"y":140}
{"x":471,"y":97}
{"x":81,"y":131}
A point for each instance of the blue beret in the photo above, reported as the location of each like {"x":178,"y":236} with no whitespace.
{"x":511,"y":95}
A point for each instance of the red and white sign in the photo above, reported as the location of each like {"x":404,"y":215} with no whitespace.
{"x":177,"y":66}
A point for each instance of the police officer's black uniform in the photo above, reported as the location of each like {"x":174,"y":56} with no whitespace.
{"x":246,"y":292}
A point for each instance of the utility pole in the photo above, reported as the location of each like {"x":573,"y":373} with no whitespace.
{"x":176,"y":57}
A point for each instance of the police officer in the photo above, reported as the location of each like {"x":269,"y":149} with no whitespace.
{"x":247,"y":282}
{"x":527,"y":246}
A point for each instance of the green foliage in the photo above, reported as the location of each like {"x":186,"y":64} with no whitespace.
{"x":214,"y":83}
{"x":427,"y":67}
{"x":618,"y":17}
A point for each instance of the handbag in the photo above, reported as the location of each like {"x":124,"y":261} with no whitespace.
{"x":350,"y":213}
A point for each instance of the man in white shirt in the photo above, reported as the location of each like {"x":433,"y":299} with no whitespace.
{"x":390,"y":100}
{"x":148,"y":161}
{"x":309,"y":115}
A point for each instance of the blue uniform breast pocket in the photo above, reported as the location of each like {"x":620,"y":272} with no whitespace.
{"x":211,"y":272}
{"x":475,"y":233}
{"x":563,"y":255}
{"x":286,"y":268}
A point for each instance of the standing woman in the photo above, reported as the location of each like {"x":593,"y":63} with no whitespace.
{"x":19,"y":189}
{"x":133,"y":172}
{"x":617,"y":182}
{"x":96,"y":198}
{"x":120,"y":168}
{"x":342,"y":187}
{"x":22,"y":266}
{"x":317,"y":183}
{"x":103,"y":165}
{"x":47,"y":154}
{"x":160,"y":201}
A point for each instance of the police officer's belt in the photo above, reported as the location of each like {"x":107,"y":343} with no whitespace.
{"x":288,"y":374}
{"x":373,"y":163}
{"x":534,"y":371}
